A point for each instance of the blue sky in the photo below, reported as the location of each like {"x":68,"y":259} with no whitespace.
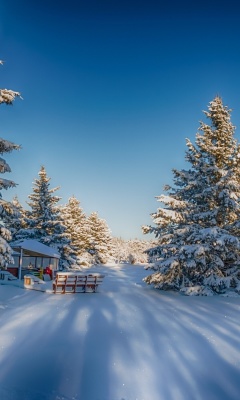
{"x":111,"y":90}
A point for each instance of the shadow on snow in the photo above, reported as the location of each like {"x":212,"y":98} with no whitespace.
{"x":126,"y":342}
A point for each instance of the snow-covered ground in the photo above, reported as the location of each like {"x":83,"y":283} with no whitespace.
{"x":126,"y":342}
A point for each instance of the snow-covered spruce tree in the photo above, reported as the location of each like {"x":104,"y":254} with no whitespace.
{"x":44,"y":222}
{"x":198,"y":227}
{"x":7,"y":97}
{"x":119,"y":250}
{"x":75,"y":222}
{"x":16,"y":220}
{"x":100,"y":239}
{"x":137,"y":251}
{"x":130,"y":251}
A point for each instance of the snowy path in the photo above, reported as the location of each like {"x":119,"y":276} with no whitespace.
{"x":127,"y":342}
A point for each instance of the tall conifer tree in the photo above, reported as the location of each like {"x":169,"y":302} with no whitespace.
{"x":16,"y":220}
{"x":76,"y":225}
{"x":198,"y":226}
{"x":100,"y":239}
{"x":44,"y":221}
{"x":6,"y":97}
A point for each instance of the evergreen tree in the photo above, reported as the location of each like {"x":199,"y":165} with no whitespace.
{"x":75,"y":222}
{"x":130,"y":251}
{"x":120,"y":250}
{"x":100,"y":239}
{"x":7,"y":97}
{"x":198,"y":226}
{"x":16,"y":220}
{"x":44,"y":222}
{"x":137,"y":251}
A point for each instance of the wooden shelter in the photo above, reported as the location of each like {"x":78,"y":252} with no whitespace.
{"x":32,"y":256}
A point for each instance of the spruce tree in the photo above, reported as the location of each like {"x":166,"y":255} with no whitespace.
{"x":119,"y":250}
{"x":130,"y":251}
{"x":100,"y":239}
{"x":75,"y":222}
{"x":137,"y":251}
{"x":44,"y":222}
{"x":6,"y":96}
{"x":16,"y":220}
{"x":198,"y":226}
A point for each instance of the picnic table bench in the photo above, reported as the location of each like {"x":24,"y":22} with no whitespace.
{"x":69,"y":282}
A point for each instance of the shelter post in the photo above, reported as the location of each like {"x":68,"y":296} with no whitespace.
{"x":20,"y":264}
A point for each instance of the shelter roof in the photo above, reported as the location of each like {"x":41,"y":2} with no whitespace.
{"x":34,"y":248}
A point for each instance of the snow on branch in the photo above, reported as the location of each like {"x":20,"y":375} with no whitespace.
{"x":8,"y":96}
{"x":4,"y":167}
{"x":170,"y":201}
{"x":7,"y":147}
{"x":5,"y":184}
{"x":164,"y":217}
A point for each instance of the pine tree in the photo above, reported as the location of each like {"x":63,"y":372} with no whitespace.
{"x":198,"y":227}
{"x":100,"y":239}
{"x":16,"y":220}
{"x":137,"y":251}
{"x":119,"y":250}
{"x":7,"y":97}
{"x":44,"y":222}
{"x":130,"y":251}
{"x":75,"y":222}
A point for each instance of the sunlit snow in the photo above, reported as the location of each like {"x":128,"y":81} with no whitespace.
{"x":126,"y":342}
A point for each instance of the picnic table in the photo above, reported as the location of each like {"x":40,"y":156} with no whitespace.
{"x":74,"y":282}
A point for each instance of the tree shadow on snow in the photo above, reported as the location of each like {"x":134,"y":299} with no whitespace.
{"x":126,"y":342}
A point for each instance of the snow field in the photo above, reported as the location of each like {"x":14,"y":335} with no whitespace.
{"x":126,"y":342}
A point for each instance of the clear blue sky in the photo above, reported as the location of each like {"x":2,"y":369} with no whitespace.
{"x":111,"y":90}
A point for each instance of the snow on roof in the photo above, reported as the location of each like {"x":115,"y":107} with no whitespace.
{"x":33,"y":247}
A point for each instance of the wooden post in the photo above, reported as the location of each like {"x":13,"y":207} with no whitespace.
{"x":20,"y":265}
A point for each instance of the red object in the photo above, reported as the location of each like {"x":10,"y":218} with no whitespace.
{"x":48,"y":271}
